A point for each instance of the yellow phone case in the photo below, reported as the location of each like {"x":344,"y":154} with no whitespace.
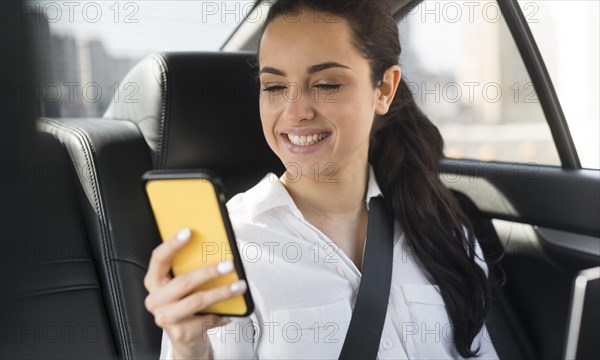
{"x":195,"y":199}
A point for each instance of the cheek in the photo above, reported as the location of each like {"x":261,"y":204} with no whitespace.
{"x":353,"y":113}
{"x":366,"y":109}
{"x":268,"y":120}
{"x":268,"y":108}
{"x":265,"y":114}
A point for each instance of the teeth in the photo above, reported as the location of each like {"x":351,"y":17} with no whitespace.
{"x":306,"y":139}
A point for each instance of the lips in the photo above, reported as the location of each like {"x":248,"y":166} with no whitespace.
{"x":304,"y":141}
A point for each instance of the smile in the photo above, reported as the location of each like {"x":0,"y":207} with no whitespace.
{"x":305,"y":140}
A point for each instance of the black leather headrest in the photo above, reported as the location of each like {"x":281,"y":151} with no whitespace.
{"x":199,"y":110}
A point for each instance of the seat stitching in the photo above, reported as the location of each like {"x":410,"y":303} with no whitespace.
{"x":131,"y":262}
{"x":163,"y":125}
{"x":88,"y":151}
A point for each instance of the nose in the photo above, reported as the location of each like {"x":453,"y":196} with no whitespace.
{"x":298,"y":105}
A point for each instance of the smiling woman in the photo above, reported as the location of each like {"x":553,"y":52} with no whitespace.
{"x":333,"y":98}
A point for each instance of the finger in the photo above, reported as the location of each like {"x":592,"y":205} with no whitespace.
{"x":196,"y":302}
{"x":160,"y":262}
{"x":187,"y":283}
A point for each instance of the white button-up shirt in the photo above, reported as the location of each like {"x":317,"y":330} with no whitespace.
{"x":304,"y":289}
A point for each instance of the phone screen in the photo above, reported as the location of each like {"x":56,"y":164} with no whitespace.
{"x":196,"y":203}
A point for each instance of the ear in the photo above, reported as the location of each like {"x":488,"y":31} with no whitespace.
{"x":387,"y":89}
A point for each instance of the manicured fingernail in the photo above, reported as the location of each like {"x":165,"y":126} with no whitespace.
{"x":238,"y":287}
{"x":184,"y":234}
{"x":225,"y":267}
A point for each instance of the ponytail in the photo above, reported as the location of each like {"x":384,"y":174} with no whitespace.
{"x":405,"y":150}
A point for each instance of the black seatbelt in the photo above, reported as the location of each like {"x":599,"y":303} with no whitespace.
{"x":366,"y":324}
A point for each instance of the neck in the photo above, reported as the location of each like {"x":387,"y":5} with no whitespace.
{"x":338,"y":194}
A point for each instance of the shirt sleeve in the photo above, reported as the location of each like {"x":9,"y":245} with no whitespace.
{"x":235,"y":340}
{"x":166,"y":351}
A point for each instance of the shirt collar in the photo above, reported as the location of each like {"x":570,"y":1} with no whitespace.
{"x":270,"y":193}
{"x":372,"y":186}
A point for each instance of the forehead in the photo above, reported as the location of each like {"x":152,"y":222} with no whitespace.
{"x":297,"y":41}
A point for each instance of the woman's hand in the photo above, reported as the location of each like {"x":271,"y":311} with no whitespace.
{"x":173,"y":301}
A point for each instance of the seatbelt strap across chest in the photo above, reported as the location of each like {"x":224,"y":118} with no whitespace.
{"x":368,"y":316}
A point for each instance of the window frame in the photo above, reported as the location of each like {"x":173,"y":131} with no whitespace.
{"x":539,"y":76}
{"x":544,"y":88}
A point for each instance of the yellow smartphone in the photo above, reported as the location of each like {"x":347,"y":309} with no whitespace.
{"x":196,"y":199}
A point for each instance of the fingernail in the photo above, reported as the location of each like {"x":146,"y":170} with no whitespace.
{"x":238,"y":286}
{"x":225,"y":267}
{"x":184,"y":234}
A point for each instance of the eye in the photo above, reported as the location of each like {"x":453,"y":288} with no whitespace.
{"x":273,"y":88}
{"x":328,"y":87}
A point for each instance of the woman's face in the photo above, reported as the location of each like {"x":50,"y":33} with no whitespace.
{"x":317,"y":102}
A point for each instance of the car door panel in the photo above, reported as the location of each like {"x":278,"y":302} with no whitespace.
{"x":544,"y":228}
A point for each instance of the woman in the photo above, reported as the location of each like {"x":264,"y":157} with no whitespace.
{"x":335,"y":110}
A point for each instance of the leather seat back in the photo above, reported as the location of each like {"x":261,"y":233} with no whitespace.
{"x":200,"y":110}
{"x":174,"y":110}
{"x":110,"y":158}
{"x":56,"y":306}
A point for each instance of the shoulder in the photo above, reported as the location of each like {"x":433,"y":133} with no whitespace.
{"x":257,"y":213}
{"x":244,"y":206}
{"x":238,"y":208}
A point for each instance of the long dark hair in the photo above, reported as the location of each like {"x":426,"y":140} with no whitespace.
{"x":405,"y":148}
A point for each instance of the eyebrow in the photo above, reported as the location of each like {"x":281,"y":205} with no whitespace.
{"x":311,"y":69}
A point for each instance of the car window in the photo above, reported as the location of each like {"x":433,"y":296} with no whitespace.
{"x":87,"y":47}
{"x":568,"y":36}
{"x":465,"y":71}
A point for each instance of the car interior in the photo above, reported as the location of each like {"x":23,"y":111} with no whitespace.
{"x":74,"y":195}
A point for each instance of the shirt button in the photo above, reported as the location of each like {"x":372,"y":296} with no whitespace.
{"x":387,"y":344}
